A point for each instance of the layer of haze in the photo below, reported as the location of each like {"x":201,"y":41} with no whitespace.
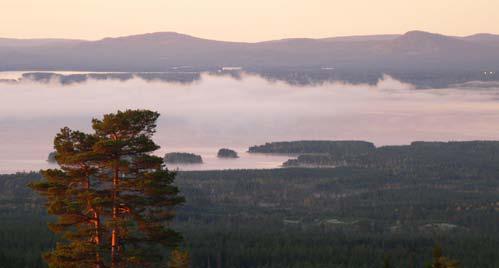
{"x":219,"y":111}
{"x":239,"y":20}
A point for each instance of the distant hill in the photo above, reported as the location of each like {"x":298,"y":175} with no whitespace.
{"x":415,"y":50}
{"x":482,"y":37}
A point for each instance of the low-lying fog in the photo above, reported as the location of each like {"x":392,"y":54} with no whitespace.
{"x":220,"y":111}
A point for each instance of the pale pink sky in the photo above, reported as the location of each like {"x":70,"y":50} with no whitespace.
{"x":244,"y":20}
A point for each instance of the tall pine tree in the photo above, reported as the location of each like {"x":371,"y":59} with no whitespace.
{"x":113,"y":198}
{"x":72,"y":196}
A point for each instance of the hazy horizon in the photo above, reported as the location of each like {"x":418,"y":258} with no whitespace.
{"x":254,"y":41}
{"x":244,"y":21}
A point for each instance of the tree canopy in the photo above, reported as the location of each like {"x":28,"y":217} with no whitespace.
{"x":113,"y":199}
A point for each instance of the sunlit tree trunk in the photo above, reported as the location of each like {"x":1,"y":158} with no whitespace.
{"x":114,"y":233}
{"x":97,"y":233}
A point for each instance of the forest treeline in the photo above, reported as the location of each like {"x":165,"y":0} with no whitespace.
{"x":441,"y":157}
{"x":389,"y":209}
{"x":303,"y":217}
{"x":340,"y":148}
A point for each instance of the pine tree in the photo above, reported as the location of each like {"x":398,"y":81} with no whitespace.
{"x":71,"y":196}
{"x":113,"y":198}
{"x":142,"y":193}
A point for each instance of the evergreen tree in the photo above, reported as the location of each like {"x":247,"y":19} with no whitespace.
{"x":113,"y":198}
{"x":72,"y":196}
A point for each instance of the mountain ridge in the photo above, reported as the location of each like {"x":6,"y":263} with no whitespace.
{"x":162,"y":51}
{"x":476,"y":36}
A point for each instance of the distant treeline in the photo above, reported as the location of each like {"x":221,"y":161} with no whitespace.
{"x":68,"y":79}
{"x":482,"y":155}
{"x":292,"y":76}
{"x":342,"y":148}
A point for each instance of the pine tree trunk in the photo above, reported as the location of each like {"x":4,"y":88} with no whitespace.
{"x":96,"y":222}
{"x":98,"y":259}
{"x":114,"y":235}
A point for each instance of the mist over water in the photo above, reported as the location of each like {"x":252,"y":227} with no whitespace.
{"x":220,"y":111}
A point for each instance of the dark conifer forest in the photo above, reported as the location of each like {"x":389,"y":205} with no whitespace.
{"x":393,"y":211}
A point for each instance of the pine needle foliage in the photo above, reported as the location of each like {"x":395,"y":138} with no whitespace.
{"x":112,"y":198}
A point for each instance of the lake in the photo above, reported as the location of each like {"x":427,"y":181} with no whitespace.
{"x":203,"y":112}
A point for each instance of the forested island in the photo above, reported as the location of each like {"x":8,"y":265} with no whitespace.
{"x":227,"y":153}
{"x":435,"y":155}
{"x":182,"y":158}
{"x":304,"y":147}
